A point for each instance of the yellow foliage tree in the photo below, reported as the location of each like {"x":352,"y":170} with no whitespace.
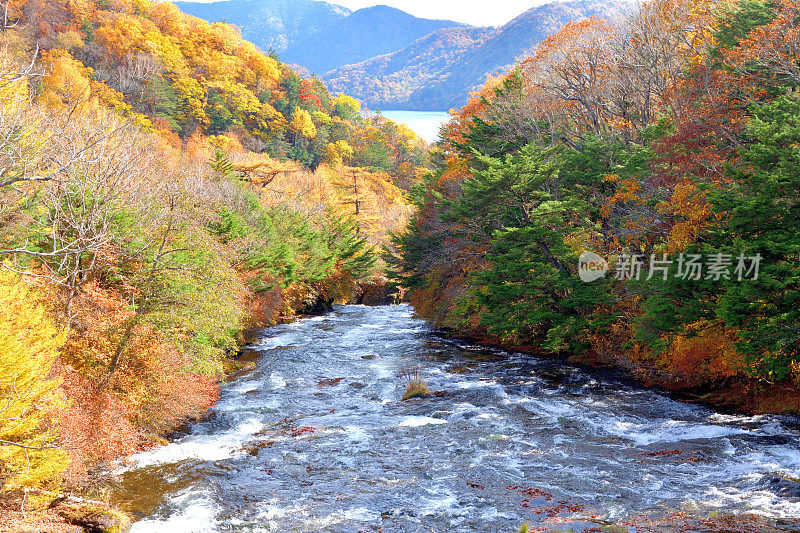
{"x":302,"y":124}
{"x":357,"y":197}
{"x":267,"y":123}
{"x":338,"y":152}
{"x":68,"y":84}
{"x":346,"y":107}
{"x":29,"y":341}
{"x":321,"y":118}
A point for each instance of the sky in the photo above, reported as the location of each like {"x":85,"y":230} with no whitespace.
{"x":475,"y":12}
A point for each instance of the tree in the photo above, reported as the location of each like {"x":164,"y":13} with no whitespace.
{"x":221,"y":164}
{"x":88,"y":201}
{"x":527,"y":213}
{"x":357,"y":197}
{"x":373,"y":152}
{"x":760,"y":213}
{"x":338,"y":153}
{"x":346,"y":107}
{"x":290,"y":84}
{"x":302,"y":125}
{"x":29,"y":397}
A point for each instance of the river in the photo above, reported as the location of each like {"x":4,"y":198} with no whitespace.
{"x":315,"y":438}
{"x":426,"y":124}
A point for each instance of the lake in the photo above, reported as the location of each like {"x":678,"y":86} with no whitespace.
{"x":426,"y":124}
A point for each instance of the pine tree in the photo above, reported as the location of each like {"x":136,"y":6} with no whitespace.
{"x":530,"y":290}
{"x":221,"y":164}
{"x":761,"y":213}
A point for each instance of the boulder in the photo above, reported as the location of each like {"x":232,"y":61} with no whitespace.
{"x":94,"y":517}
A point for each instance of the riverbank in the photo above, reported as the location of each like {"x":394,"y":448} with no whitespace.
{"x":77,"y":510}
{"x":734,"y":395}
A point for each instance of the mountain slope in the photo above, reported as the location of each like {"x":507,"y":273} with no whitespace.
{"x":269,"y":23}
{"x":388,"y":81}
{"x":407,"y":79}
{"x":364,"y":34}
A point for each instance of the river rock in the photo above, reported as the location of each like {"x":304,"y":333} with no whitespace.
{"x":94,"y":518}
{"x":256,"y":448}
{"x":330,"y":382}
{"x":784,"y":486}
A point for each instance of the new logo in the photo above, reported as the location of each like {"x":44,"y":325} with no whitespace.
{"x":591,"y":267}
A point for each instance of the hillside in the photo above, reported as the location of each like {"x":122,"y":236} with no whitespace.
{"x":363,"y":35}
{"x":408,"y":79}
{"x":388,"y":81}
{"x":269,"y":23}
{"x":166,"y":186}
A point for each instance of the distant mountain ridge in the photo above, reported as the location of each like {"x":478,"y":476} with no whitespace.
{"x":362,"y":35}
{"x":414,"y":79}
{"x":390,"y":80}
{"x":270,"y":23}
{"x":388,"y":58}
{"x":318,"y":35}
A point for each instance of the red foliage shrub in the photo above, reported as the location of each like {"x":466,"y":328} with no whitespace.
{"x":152,"y":391}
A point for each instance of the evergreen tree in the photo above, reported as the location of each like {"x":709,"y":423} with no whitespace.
{"x":221,"y":164}
{"x":759,"y":213}
{"x":530,"y":290}
{"x":761,"y":216}
{"x":376,"y":156}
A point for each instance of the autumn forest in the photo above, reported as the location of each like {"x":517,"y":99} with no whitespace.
{"x":167,"y":189}
{"x":670,"y":132}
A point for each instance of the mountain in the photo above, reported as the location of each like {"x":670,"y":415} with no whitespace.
{"x":388,"y":81}
{"x":387,"y":57}
{"x":438,"y":72}
{"x":270,"y":23}
{"x":364,"y":34}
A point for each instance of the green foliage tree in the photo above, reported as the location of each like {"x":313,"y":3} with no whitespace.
{"x":290,"y":84}
{"x":220,"y":114}
{"x":347,"y":108}
{"x":375,"y":156}
{"x":760,"y":213}
{"x":285,"y":246}
{"x":530,"y":290}
{"x":221,"y":165}
{"x":738,"y":22}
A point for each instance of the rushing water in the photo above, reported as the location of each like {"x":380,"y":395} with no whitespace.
{"x":315,"y":438}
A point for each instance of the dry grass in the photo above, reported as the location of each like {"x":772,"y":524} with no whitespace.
{"x":413,"y":379}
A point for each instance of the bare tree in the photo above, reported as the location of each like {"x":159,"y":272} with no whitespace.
{"x":13,"y":71}
{"x":100,"y":181}
{"x":9,"y":21}
{"x":133,"y":75}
